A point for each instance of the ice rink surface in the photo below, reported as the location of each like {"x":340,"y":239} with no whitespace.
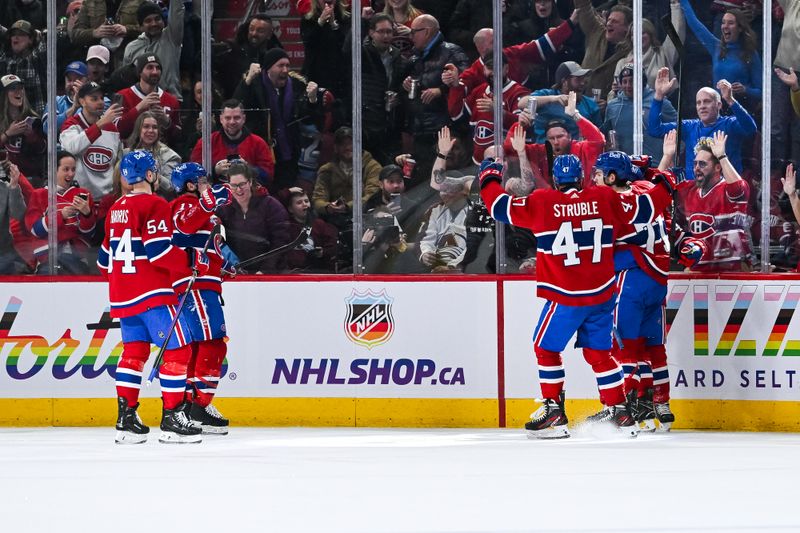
{"x":398,"y":480}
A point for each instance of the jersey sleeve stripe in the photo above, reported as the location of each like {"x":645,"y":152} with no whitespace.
{"x":157,"y":248}
{"x":501,"y":209}
{"x":39,"y":228}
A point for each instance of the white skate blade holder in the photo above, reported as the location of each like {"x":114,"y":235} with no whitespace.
{"x":214,"y":430}
{"x":552,"y":432}
{"x":128,"y":437}
{"x":170,"y":437}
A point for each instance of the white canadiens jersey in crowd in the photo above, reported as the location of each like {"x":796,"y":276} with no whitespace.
{"x":97,"y":151}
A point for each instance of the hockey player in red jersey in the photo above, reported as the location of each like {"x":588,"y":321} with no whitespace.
{"x":575,"y":230}
{"x":641,"y":260}
{"x":192,"y":214}
{"x":140,"y":263}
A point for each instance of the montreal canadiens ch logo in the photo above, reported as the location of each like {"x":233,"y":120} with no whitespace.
{"x":701,"y":225}
{"x":369,"y":319}
{"x":98,"y":158}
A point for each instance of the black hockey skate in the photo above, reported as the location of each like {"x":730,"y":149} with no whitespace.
{"x":664,"y":415}
{"x":617,"y":416}
{"x":645,"y":413}
{"x":177,"y":428}
{"x":130,"y":429}
{"x":209,"y":419}
{"x":549,"y":421}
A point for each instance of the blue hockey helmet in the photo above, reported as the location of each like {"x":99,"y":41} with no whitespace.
{"x":187,"y":173}
{"x":617,"y":162}
{"x":567,"y":170}
{"x":135,"y":164}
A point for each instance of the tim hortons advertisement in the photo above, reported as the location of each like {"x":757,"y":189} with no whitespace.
{"x":729,"y":340}
{"x":295,"y":339}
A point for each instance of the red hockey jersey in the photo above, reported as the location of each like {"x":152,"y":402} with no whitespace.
{"x":575,"y":232}
{"x":720,"y":218}
{"x":482,"y":122}
{"x":192,"y":226}
{"x":75,"y":231}
{"x":644,"y":242}
{"x":522,"y":56}
{"x":137,"y":255}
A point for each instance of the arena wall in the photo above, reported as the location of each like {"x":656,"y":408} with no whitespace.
{"x":408,"y":352}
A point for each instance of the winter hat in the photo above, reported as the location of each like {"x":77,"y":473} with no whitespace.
{"x":146,"y":9}
{"x":272,"y":56}
{"x":144,"y":59}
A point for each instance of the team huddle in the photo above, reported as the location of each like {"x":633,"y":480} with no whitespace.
{"x":601,"y":266}
{"x":153,"y":253}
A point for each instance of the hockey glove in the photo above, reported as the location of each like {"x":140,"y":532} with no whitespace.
{"x":214,"y":197}
{"x":229,"y":269}
{"x":198,"y":262}
{"x":490,"y":171}
{"x":691,"y":252}
{"x":666,"y":178}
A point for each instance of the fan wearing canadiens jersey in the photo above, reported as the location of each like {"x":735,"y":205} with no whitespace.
{"x":76,"y":221}
{"x":140,"y":263}
{"x":641,"y":260}
{"x":575,"y":230}
{"x":714,"y":208}
{"x":92,"y":136}
{"x":477,"y":105}
{"x":192,"y":214}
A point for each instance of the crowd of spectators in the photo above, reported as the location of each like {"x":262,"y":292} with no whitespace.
{"x":128,"y":75}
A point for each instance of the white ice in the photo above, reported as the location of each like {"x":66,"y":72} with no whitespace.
{"x":398,"y":480}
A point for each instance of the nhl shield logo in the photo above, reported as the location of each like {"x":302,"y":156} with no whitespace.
{"x":369,"y":319}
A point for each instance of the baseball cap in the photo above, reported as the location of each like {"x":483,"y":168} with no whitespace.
{"x":89,"y":88}
{"x":77,"y":67}
{"x":10,"y":80}
{"x":144,"y":59}
{"x":21,"y":25}
{"x":98,"y":51}
{"x":569,"y":68}
{"x":390,"y":170}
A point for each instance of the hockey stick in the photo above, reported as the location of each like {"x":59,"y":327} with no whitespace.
{"x":211,"y":236}
{"x":672,"y":33}
{"x":302,"y":236}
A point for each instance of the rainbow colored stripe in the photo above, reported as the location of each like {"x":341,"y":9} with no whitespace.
{"x":725,"y":293}
{"x":701,"y":320}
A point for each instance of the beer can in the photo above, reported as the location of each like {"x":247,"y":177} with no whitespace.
{"x":596,"y":93}
{"x":389,"y":97}
{"x":612,"y":139}
{"x":414,"y":92}
{"x":532,"y":106}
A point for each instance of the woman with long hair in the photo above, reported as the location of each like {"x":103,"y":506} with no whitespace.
{"x":146,"y":135}
{"x":734,"y":57}
{"x":21,"y":132}
{"x":403,"y":14}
